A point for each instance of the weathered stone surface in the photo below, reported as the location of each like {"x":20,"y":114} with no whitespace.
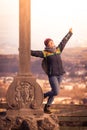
{"x":30,"y":122}
{"x":24,"y":92}
{"x":48,"y":123}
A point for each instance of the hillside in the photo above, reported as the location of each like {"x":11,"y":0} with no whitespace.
{"x":74,"y":61}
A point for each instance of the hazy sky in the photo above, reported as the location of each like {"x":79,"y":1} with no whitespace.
{"x":49,"y":18}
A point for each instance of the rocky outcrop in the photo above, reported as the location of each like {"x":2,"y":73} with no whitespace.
{"x":29,"y":122}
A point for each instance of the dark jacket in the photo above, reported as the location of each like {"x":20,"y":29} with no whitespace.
{"x":53,"y":59}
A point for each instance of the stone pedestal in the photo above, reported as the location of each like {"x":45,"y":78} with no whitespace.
{"x":24,"y":92}
{"x":25,"y":98}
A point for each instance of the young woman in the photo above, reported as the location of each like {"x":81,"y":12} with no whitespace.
{"x":55,"y":69}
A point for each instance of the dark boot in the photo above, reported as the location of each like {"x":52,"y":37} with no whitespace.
{"x":46,"y":109}
{"x":45,"y":96}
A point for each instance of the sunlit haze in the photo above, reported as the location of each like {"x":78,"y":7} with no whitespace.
{"x":49,"y":18}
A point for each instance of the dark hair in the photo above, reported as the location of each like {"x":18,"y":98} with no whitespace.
{"x":46,"y":41}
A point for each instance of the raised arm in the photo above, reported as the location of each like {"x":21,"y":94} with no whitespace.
{"x":65,"y":40}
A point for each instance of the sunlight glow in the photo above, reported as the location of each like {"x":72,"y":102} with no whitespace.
{"x":53,"y":18}
{"x":49,"y":18}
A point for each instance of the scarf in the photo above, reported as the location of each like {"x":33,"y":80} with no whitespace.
{"x":53,"y":49}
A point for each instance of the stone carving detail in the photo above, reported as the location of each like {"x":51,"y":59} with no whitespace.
{"x":24,"y":92}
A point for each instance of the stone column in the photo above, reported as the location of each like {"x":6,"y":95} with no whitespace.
{"x":24,"y":92}
{"x":24,"y":37}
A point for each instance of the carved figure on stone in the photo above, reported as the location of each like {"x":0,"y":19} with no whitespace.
{"x":24,"y":92}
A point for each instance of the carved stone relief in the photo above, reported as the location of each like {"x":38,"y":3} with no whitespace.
{"x":24,"y":92}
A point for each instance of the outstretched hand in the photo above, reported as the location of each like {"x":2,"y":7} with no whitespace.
{"x":70,"y":30}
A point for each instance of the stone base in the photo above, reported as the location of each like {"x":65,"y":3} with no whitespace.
{"x":24,"y":92}
{"x":23,"y":120}
{"x":25,"y":112}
